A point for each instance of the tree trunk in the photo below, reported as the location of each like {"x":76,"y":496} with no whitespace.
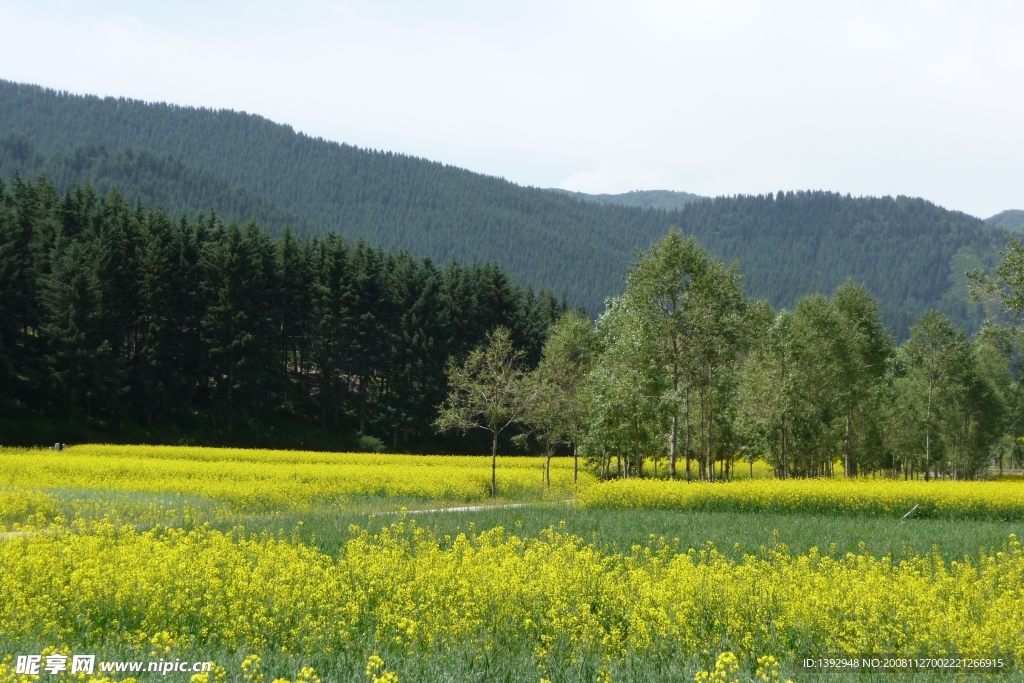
{"x":928,"y":433}
{"x":687,"y":431}
{"x":711,"y":423}
{"x":674,"y":439}
{"x":362,"y":406}
{"x":847,"y":444}
{"x":575,"y":461}
{"x":494,"y":466}
{"x":785,"y":451}
{"x":673,"y":448}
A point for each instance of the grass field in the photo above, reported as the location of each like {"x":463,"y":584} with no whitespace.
{"x":306,"y":560}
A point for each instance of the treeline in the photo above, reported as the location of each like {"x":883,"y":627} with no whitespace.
{"x":685,"y":377}
{"x":112,"y":314}
{"x":910,"y":253}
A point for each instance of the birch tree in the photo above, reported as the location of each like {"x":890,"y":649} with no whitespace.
{"x":694,"y":308}
{"x":934,"y":342}
{"x":623,"y":392}
{"x":486,"y":392}
{"x":556,"y":411}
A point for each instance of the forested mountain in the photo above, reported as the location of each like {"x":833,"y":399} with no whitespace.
{"x":1011,"y":220}
{"x":908,"y":252}
{"x":145,"y":177}
{"x":911,"y":254}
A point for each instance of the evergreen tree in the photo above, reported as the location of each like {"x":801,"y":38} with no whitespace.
{"x":332,"y":300}
{"x":240,"y":325}
{"x":292,"y":302}
{"x":83,"y":369}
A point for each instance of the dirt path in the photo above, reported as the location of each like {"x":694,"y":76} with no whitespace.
{"x":466,"y":508}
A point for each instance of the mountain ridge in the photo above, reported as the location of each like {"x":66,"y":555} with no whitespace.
{"x":645,"y":199}
{"x":1011,"y":220}
{"x":909,"y":252}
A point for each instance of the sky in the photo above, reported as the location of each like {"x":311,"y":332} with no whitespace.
{"x":717,"y":98}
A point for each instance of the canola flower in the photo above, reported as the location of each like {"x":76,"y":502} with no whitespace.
{"x":26,"y":507}
{"x":254,"y":480}
{"x":868,"y":497}
{"x":23,"y":511}
{"x":727,"y":670}
{"x":403,"y":594}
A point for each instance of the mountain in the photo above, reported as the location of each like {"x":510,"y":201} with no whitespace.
{"x":146,"y":177}
{"x":645,"y":199}
{"x":910,"y":253}
{"x":1011,"y":220}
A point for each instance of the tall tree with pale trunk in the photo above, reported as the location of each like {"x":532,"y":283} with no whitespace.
{"x":487,"y":392}
{"x":556,"y":413}
{"x":934,"y":342}
{"x":695,"y":307}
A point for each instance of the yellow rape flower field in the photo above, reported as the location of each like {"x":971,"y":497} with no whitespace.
{"x":290,"y":566}
{"x":260,"y":480}
{"x":874,"y":497}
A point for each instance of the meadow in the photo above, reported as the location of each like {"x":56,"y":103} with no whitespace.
{"x":304,"y":567}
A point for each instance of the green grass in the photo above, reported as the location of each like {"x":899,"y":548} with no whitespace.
{"x":735,"y":534}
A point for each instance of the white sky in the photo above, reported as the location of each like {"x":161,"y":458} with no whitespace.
{"x":919,"y":98}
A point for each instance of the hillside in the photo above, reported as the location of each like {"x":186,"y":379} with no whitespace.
{"x":909,"y":252}
{"x":1011,"y":220}
{"x":144,"y":176}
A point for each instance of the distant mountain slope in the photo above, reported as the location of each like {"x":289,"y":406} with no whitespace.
{"x":645,"y":199}
{"x":144,"y":176}
{"x":909,"y":252}
{"x":1011,"y":220}
{"x":395,"y":201}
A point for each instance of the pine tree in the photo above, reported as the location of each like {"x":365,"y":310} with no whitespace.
{"x":83,"y":368}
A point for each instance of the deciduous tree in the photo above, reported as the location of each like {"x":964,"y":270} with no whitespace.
{"x":487,"y":391}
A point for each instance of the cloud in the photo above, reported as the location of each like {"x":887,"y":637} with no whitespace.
{"x":610,"y":178}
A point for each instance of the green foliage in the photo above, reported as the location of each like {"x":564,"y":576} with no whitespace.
{"x":682,"y":356}
{"x":487,"y":391}
{"x":647,"y":199}
{"x":909,"y":253}
{"x":693,"y":314}
{"x":146,"y":177}
{"x":122,"y":319}
{"x":555,"y":413}
{"x":623,"y":394}
{"x":371,"y":444}
{"x":1011,"y":220}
